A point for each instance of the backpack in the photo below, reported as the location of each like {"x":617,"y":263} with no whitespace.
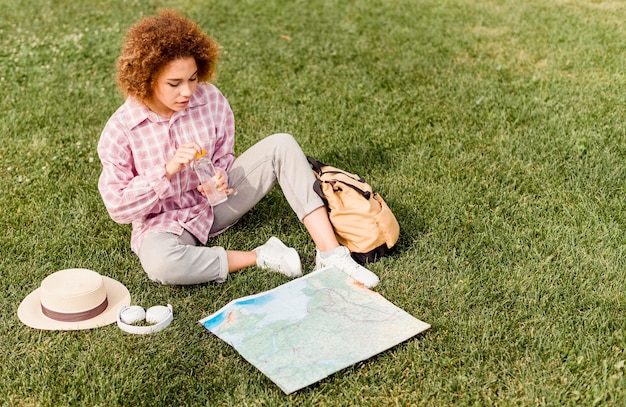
{"x":360,"y":217}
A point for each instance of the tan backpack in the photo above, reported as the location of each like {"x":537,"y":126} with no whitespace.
{"x":360,"y":217}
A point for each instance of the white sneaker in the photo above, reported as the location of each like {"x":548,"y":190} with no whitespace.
{"x":274,"y":255}
{"x":344,"y":262}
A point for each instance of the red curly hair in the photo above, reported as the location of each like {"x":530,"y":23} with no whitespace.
{"x":155,"y":41}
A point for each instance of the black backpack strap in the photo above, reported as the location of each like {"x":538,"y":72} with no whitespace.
{"x":317,"y":166}
{"x":317,"y":187}
{"x":365,"y":194}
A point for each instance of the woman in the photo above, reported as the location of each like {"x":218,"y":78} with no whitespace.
{"x":171,"y":115}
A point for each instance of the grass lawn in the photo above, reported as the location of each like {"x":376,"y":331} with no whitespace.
{"x":494,"y":130}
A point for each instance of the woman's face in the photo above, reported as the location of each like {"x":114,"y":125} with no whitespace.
{"x":174,"y":86}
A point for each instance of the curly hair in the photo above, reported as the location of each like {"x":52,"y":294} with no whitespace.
{"x":155,"y":41}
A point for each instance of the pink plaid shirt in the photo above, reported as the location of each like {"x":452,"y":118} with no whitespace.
{"x":134,"y":147}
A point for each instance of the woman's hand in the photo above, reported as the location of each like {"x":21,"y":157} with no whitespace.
{"x":183,"y":156}
{"x":222,"y":184}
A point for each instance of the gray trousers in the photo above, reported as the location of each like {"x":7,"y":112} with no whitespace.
{"x":171,"y":259}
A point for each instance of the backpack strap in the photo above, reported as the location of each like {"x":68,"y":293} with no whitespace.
{"x":317,"y":166}
{"x":341,"y":173}
{"x":364,"y":194}
{"x":317,"y":187}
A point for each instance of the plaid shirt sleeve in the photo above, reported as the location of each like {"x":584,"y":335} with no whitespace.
{"x":127,"y":195}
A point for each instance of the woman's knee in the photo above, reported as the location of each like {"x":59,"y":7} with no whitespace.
{"x":162,"y":258}
{"x":285,"y":141}
{"x":172,"y":260}
{"x":163,"y":268}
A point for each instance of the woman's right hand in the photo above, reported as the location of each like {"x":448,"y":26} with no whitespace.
{"x":183,"y":156}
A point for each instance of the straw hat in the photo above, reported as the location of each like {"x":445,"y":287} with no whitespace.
{"x":73,"y":299}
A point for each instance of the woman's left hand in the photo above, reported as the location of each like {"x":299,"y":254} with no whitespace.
{"x":222,"y":184}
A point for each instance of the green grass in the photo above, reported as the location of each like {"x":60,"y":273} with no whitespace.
{"x":494,"y":130}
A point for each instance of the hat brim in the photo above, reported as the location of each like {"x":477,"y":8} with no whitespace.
{"x":30,"y":313}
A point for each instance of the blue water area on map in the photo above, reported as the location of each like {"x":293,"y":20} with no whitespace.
{"x":219,"y":317}
{"x":264,"y":299}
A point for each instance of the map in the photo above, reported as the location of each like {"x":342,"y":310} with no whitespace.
{"x":311,"y":327}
